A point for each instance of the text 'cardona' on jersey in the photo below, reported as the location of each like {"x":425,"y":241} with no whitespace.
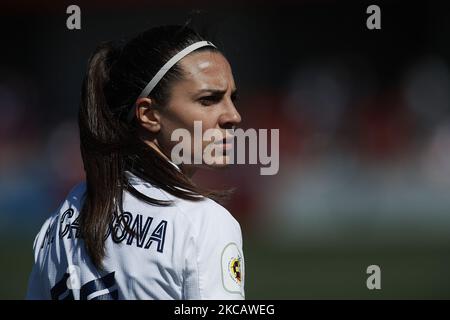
{"x":125,"y":227}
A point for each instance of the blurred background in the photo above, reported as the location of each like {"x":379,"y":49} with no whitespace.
{"x":364,"y":120}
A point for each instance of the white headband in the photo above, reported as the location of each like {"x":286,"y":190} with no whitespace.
{"x":166,"y":67}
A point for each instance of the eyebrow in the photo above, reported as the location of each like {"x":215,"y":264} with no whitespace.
{"x":216,"y":91}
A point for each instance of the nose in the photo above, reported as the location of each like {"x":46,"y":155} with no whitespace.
{"x":230,"y":117}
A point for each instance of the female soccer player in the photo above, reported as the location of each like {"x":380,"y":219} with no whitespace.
{"x":138,"y":227}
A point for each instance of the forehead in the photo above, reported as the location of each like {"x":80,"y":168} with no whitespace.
{"x":207,"y":70}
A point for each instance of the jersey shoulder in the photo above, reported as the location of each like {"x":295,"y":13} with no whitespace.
{"x":75,"y":196}
{"x":207,"y":214}
{"x":72,"y":201}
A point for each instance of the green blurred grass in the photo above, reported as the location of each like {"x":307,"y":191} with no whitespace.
{"x":17,"y":256}
{"x":339,"y":271}
{"x":410,"y":270}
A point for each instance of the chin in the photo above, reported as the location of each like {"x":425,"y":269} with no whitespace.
{"x":220,"y":162}
{"x":219,"y":166}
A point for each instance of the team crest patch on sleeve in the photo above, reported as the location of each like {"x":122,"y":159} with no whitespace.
{"x":233,"y":269}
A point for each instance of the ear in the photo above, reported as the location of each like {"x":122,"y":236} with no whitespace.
{"x":147,"y":115}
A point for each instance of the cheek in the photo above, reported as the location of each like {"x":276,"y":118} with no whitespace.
{"x":193,"y":117}
{"x":197,"y":120}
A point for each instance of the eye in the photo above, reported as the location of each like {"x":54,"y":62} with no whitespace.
{"x":209,"y":100}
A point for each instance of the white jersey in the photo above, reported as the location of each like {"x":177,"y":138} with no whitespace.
{"x":190,"y":250}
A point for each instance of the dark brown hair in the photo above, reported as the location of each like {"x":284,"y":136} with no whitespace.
{"x":110,"y":145}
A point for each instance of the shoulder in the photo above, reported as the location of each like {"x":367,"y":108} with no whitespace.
{"x":72,"y":201}
{"x":194,"y":211}
{"x":76,"y":194}
{"x":206,"y":213}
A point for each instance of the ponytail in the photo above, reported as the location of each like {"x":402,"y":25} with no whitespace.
{"x":100,"y":150}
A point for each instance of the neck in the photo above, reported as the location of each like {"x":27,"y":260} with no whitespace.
{"x":187,"y":170}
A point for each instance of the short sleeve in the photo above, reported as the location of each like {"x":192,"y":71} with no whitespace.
{"x":34,"y":291}
{"x":35,"y":288}
{"x":214,"y":258}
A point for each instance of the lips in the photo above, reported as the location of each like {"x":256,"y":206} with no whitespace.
{"x":227,"y":143}
{"x":228,"y":140}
